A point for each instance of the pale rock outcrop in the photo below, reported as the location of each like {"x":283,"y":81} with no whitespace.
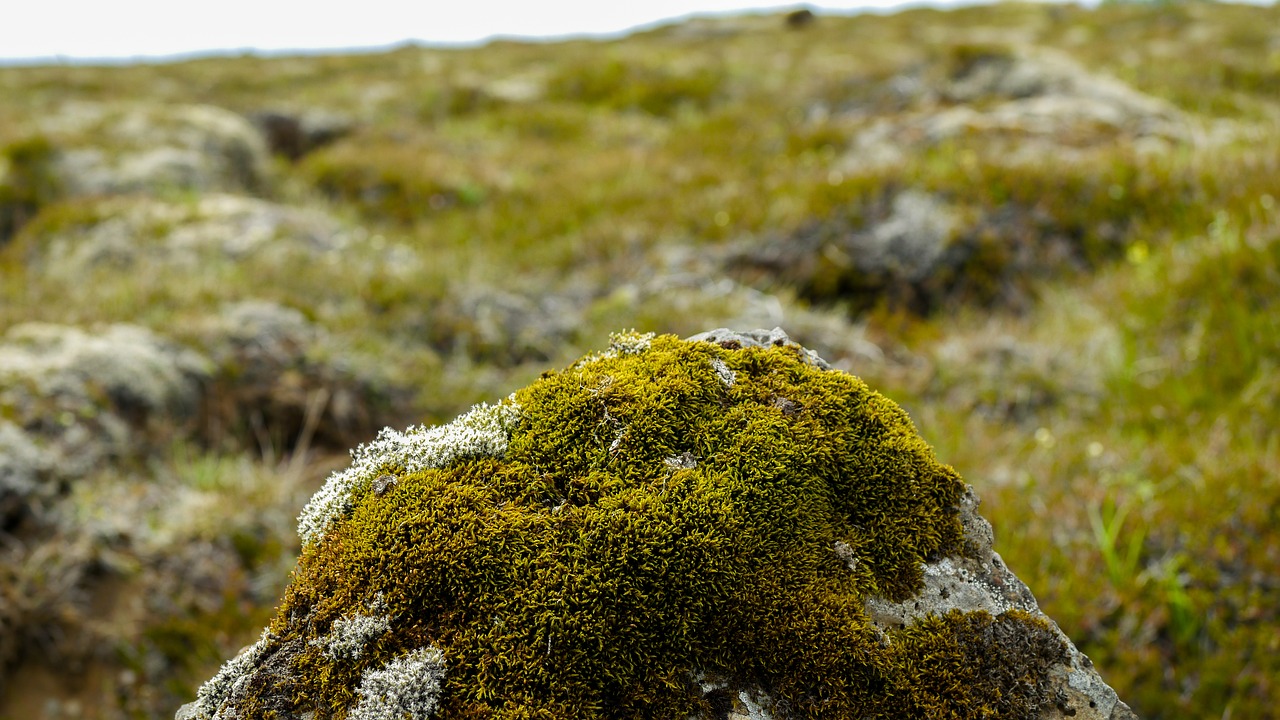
{"x":1035,"y":101}
{"x":129,"y":233}
{"x":110,"y":149}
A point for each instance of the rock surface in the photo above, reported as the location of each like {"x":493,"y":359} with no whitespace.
{"x":870,"y":582}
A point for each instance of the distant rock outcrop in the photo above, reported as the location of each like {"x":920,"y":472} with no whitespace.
{"x":276,"y":383}
{"x":136,"y":232}
{"x":114,"y":149}
{"x":94,"y":149}
{"x":719,"y":527}
{"x":102,"y":538}
{"x":1036,"y":101}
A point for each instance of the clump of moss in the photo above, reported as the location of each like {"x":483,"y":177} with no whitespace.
{"x":663,"y":511}
{"x":386,"y":180}
{"x":27,"y":182}
{"x":623,"y":85}
{"x":957,"y":666}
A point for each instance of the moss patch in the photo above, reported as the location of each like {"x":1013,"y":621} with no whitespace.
{"x":664,"y":511}
{"x":26,"y":182}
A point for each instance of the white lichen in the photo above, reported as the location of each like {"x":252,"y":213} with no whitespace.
{"x":406,"y":687}
{"x":844,"y":551}
{"x":481,"y":432}
{"x":349,"y":635}
{"x":726,"y":376}
{"x":630,"y":343}
{"x":212,"y":697}
{"x":755,"y":705}
{"x":620,"y":344}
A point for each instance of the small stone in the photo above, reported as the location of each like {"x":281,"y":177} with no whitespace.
{"x":383,"y":483}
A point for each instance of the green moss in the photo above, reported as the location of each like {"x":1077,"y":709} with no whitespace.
{"x":623,"y":85}
{"x":386,"y":180}
{"x":26,"y":182}
{"x":957,"y":666}
{"x":663,"y":510}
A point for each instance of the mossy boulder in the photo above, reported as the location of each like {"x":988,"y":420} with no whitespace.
{"x":670,"y":528}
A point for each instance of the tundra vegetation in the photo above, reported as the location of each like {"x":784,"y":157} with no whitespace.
{"x":1050,"y":233}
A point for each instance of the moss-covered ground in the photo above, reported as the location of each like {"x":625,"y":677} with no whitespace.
{"x":1115,"y":409}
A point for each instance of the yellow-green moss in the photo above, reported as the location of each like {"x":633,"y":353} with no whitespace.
{"x":662,"y":510}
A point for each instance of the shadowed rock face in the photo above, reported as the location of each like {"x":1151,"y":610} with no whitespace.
{"x":719,"y":527}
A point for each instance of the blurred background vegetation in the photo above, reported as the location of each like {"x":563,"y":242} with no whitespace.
{"x":1051,"y":233}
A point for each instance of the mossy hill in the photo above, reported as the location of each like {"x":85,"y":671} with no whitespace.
{"x":1050,"y":232}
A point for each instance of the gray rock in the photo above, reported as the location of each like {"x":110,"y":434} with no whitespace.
{"x":505,"y":326}
{"x":776,"y":337}
{"x":979,"y":580}
{"x":906,"y":250}
{"x":1035,"y":102}
{"x":911,"y":241}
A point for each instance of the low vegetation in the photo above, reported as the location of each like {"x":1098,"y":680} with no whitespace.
{"x":1050,"y":233}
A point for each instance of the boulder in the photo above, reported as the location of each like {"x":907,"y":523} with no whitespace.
{"x":96,"y":149}
{"x":910,"y":250}
{"x":505,"y":326}
{"x":905,"y":254}
{"x":707,"y":528}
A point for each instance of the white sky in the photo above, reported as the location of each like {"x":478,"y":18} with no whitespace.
{"x":82,"y":29}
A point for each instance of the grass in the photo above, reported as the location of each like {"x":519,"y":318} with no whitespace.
{"x":1118,"y":419}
